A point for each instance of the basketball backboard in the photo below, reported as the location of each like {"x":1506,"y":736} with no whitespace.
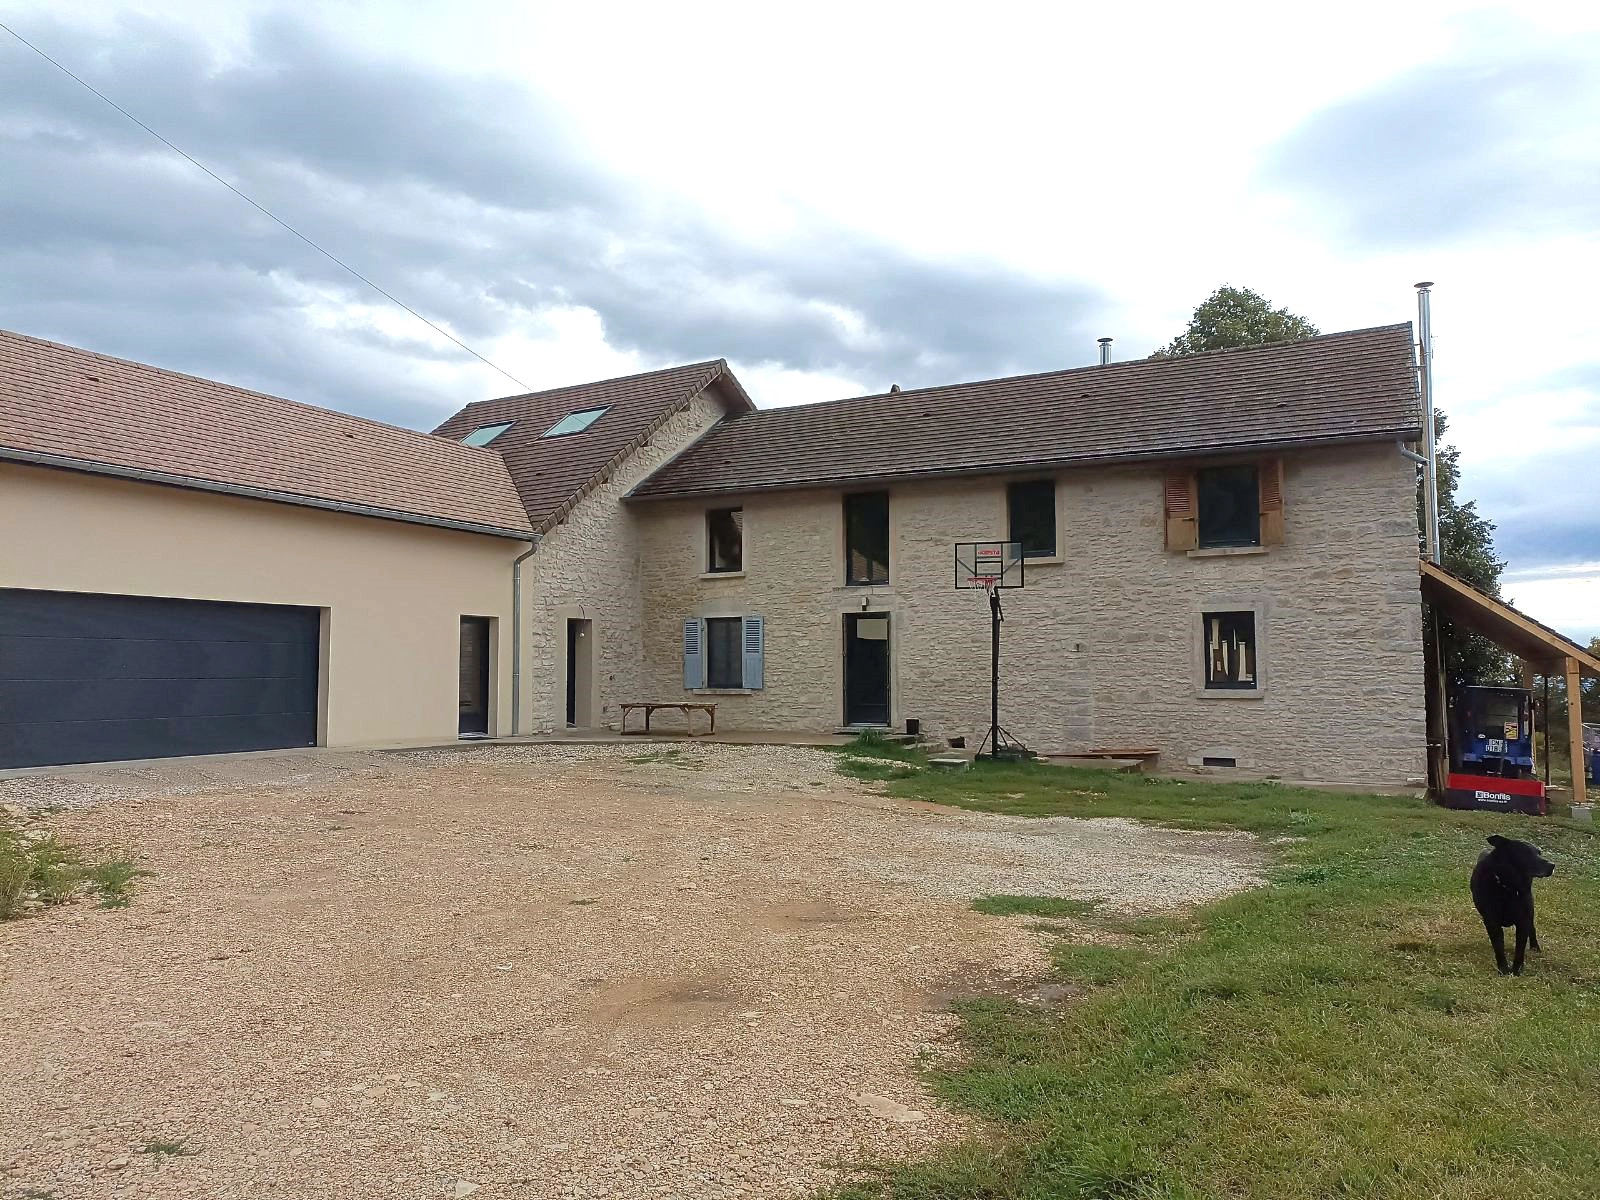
{"x":986,"y":565}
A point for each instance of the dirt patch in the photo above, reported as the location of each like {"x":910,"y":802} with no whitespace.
{"x":547,"y":972}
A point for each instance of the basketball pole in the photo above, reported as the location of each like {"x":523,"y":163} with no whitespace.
{"x":1002,"y":746}
{"x":995,"y":617}
{"x":972,"y":573}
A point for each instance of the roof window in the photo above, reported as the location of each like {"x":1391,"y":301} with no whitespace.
{"x":575,"y":422}
{"x":485,"y":434}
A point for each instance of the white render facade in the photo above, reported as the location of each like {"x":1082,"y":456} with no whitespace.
{"x":1105,"y":645}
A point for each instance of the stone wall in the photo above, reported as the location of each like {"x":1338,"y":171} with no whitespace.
{"x":587,"y":568}
{"x":1103,"y":646}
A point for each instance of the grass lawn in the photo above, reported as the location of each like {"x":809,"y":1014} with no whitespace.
{"x":1339,"y":1033}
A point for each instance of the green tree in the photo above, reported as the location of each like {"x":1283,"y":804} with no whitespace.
{"x":1232,"y":317}
{"x":1466,"y":550}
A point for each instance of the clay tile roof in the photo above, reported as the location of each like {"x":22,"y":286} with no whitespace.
{"x":551,"y":474}
{"x":69,"y":407}
{"x":1339,"y":387}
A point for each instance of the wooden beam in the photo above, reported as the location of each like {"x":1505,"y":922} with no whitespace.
{"x":1532,"y":640}
{"x":1580,"y":787}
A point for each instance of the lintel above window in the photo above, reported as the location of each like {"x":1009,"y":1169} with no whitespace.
{"x":575,"y":422}
{"x":484,"y":434}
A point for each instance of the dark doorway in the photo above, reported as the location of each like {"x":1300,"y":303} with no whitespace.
{"x":474,"y":677}
{"x":866,"y":669}
{"x":94,"y":678}
{"x":580,"y":672}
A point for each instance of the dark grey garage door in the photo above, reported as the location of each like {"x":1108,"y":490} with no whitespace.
{"x":90,"y":678}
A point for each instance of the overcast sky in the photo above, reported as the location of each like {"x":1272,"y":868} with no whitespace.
{"x":832,"y":196}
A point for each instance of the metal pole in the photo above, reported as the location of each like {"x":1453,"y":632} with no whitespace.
{"x":1105,"y":350}
{"x":994,"y":672}
{"x":1430,"y":475}
{"x":1547,"y":728}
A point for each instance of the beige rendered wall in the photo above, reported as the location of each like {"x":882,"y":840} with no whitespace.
{"x":1103,"y":646}
{"x":393,"y":593}
{"x":587,"y":568}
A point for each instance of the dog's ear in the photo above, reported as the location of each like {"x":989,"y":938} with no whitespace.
{"x":1496,"y":840}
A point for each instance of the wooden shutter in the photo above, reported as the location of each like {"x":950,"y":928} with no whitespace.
{"x":1183,"y":524}
{"x":694,"y":653}
{"x":1270,"y":474}
{"x":755,"y":650}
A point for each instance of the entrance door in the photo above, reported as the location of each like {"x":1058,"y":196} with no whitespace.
{"x":866,"y":669}
{"x":580,"y":672}
{"x":474,"y":721}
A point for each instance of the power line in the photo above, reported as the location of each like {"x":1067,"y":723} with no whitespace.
{"x":264,"y":211}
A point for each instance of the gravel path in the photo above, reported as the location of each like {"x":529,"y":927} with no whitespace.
{"x":520,"y":971}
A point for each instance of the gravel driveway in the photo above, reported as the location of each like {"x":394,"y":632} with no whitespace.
{"x":520,"y":971}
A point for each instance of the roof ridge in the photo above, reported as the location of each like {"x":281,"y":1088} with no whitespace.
{"x":1096,"y":367}
{"x":718,"y":363}
{"x":423,"y":437}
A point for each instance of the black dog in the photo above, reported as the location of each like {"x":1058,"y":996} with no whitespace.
{"x":1502,"y":890}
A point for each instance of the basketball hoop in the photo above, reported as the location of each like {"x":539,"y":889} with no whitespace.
{"x":993,"y":566}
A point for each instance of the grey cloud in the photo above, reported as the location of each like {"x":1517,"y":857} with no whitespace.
{"x":1501,"y":144}
{"x":459,"y":194}
{"x":1546,"y":515}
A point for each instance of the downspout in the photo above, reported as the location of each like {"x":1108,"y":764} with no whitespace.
{"x":516,"y":633}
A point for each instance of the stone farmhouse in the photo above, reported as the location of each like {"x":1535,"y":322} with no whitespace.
{"x":1220,"y":556}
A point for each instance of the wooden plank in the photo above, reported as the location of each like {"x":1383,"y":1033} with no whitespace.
{"x":1580,"y":786}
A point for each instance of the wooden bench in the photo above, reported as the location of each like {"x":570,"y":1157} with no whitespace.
{"x":688,"y":711}
{"x":1112,"y":759}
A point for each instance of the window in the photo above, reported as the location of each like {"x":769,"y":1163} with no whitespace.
{"x":485,"y":434}
{"x":724,"y":653}
{"x":866,"y":538}
{"x":1230,"y":506}
{"x":725,"y":540}
{"x":724,"y":668}
{"x":1230,"y":650}
{"x":1031,"y":510}
{"x":575,"y":422}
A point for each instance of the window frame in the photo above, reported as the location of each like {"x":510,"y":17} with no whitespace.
{"x":711,"y":683}
{"x":1253,"y":506}
{"x":499,"y":428}
{"x":855,"y":499}
{"x":1230,"y":611}
{"x":710,"y":561}
{"x":1012,"y":533}
{"x":598,"y":411}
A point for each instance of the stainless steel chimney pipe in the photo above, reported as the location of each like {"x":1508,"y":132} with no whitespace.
{"x":1430,"y":474}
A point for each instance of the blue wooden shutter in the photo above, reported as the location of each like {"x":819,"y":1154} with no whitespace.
{"x":755,"y":650}
{"x":694,"y":655}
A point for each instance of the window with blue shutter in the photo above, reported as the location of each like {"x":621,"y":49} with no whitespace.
{"x":694,"y":670}
{"x":724,"y":643}
{"x":755,"y":636}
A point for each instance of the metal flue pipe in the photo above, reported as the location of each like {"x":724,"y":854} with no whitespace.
{"x":1105,"y":351}
{"x":1430,"y":473}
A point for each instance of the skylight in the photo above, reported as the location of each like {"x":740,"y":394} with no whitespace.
{"x":575,"y":422}
{"x":485,"y":434}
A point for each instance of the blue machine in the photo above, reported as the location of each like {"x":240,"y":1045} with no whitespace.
{"x":1494,"y":731}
